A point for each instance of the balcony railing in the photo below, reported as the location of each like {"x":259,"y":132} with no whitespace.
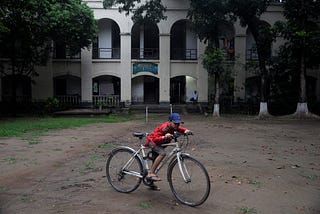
{"x":183,"y":54}
{"x":106,"y":53}
{"x":69,"y":99}
{"x":106,"y":100}
{"x":145,"y":53}
{"x":252,"y":54}
{"x":18,"y":98}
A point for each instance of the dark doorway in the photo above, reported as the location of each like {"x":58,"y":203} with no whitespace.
{"x":178,"y":90}
{"x":151,"y":90}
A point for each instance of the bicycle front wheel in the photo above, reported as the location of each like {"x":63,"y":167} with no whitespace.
{"x":124,"y":171}
{"x":190,"y":184}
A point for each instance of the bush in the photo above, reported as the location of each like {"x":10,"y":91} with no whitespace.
{"x":52,"y":105}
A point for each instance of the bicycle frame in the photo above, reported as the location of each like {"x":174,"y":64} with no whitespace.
{"x":177,"y":151}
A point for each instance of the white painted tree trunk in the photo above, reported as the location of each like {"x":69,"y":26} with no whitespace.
{"x":302,"y":108}
{"x":302,"y":111}
{"x":216,"y":110}
{"x":263,"y":112}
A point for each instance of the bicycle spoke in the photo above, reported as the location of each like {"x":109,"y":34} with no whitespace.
{"x":123,"y":180}
{"x":191,"y":184}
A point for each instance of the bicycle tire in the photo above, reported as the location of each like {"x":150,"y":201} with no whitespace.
{"x":120,"y":181}
{"x":194,"y":192}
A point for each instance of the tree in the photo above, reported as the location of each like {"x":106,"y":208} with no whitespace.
{"x":214,"y":61}
{"x":27,"y":29}
{"x":148,"y":11}
{"x":207,"y":16}
{"x":302,"y":32}
{"x":249,"y":12}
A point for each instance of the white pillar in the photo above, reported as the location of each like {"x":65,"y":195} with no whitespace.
{"x":126,"y":68}
{"x":164,"y":69}
{"x":86,"y":76}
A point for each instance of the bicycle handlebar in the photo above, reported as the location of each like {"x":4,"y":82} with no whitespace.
{"x":176,"y":134}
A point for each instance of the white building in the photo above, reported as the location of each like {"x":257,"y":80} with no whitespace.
{"x":146,"y":64}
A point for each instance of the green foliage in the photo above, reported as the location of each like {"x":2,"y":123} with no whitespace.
{"x":20,"y":126}
{"x":302,"y":49}
{"x":213,"y":60}
{"x":248,"y":10}
{"x":301,"y":31}
{"x":207,"y":16}
{"x":245,"y":210}
{"x":150,"y":11}
{"x":52,"y":104}
{"x":28,"y":28}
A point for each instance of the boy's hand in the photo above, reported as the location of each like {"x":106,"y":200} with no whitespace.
{"x":188,"y":132}
{"x":168,"y":136}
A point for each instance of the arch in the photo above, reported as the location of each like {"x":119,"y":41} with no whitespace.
{"x":145,"y":89}
{"x":106,"y":85}
{"x":145,"y":41}
{"x":22,"y":89}
{"x":182,"y":89}
{"x":67,"y":85}
{"x":183,"y":41}
{"x":108,"y":42}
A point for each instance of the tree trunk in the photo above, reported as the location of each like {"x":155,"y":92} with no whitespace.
{"x":302,"y":111}
{"x":216,"y":109}
{"x":302,"y":107}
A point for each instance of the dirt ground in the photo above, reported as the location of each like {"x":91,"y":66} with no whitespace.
{"x":269,"y":167}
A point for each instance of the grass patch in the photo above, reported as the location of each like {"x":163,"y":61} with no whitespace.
{"x":104,"y":145}
{"x":254,"y":182}
{"x":311,"y":177}
{"x":25,"y":198}
{"x":10,"y":160}
{"x":145,"y":204}
{"x":245,"y":210}
{"x":89,"y":165}
{"x":37,"y":125}
{"x":59,"y":165}
{"x":3,"y":189}
{"x":96,"y":157}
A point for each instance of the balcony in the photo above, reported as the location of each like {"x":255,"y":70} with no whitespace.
{"x":252,"y":54}
{"x":183,"y":54}
{"x":106,"y":53}
{"x":145,"y":53}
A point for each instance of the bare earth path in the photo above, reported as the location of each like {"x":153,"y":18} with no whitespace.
{"x":267,"y":167}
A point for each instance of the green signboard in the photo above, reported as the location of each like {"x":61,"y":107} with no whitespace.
{"x":145,"y":67}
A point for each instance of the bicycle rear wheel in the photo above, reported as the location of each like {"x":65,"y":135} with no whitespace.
{"x":196,"y":188}
{"x":124,"y":179}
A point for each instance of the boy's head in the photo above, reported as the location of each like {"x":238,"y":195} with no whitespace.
{"x":175,"y":120}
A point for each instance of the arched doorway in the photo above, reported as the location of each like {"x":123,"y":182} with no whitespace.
{"x":145,"y":41}
{"x":183,"y":41}
{"x":106,"y":90}
{"x":178,"y":90}
{"x":145,"y":89}
{"x":182,"y":89}
{"x":17,"y":87}
{"x":107,"y":43}
{"x":67,"y":89}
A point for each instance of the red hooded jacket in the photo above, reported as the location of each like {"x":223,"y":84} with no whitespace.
{"x":156,"y":137}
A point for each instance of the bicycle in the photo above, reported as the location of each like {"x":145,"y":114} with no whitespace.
{"x":187,"y":177}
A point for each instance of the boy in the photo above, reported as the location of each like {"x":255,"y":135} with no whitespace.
{"x":160,"y":135}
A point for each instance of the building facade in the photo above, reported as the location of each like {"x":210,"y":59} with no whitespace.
{"x":134,"y":64}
